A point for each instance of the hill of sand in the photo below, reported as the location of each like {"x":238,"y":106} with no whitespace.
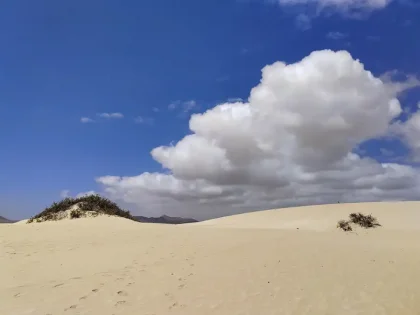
{"x":392,"y":215}
{"x":257,"y":263}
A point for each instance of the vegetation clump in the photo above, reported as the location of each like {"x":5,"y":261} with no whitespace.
{"x":344,"y":225}
{"x":79,"y":207}
{"x":76,"y":214}
{"x":364,"y":221}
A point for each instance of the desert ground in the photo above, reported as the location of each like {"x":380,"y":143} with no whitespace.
{"x":287,"y":261}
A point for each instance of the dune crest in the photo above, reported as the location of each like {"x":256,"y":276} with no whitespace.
{"x":404,"y":215}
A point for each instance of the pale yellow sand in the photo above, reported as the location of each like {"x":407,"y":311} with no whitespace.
{"x":257,"y":264}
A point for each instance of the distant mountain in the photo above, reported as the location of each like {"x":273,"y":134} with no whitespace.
{"x":4,"y":220}
{"x":164,"y":220}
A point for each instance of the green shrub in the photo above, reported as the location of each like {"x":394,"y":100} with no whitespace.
{"x":86,"y":203}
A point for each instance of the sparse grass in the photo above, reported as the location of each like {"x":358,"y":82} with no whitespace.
{"x":87,"y":203}
{"x":364,"y":221}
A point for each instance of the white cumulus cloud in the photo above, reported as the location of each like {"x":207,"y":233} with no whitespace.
{"x":292,"y":142}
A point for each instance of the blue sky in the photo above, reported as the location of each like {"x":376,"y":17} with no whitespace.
{"x":64,"y":60}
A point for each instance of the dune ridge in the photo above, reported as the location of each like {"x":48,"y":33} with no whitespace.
{"x":401,"y":215}
{"x":255,"y":263}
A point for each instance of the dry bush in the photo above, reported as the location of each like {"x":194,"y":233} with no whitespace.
{"x":344,"y":225}
{"x":365,"y":221}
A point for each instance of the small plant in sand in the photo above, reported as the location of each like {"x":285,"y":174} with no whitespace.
{"x":344,"y":225}
{"x":93,"y":204}
{"x":365,"y":221}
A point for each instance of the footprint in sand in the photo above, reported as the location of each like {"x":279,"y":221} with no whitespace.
{"x":122,"y":293}
{"x":176,"y":305}
{"x":71,"y":308}
{"x":120,"y":303}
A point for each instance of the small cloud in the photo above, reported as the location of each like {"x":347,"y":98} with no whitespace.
{"x":189,"y":106}
{"x":144,"y":120}
{"x":65,"y":193}
{"x":156,"y":110}
{"x":336,"y":35}
{"x":111,"y":115}
{"x":244,"y":51}
{"x":347,"y":8}
{"x":174,"y":105}
{"x":303,"y":22}
{"x":398,"y":81}
{"x":86,"y":120}
{"x":185,"y":107}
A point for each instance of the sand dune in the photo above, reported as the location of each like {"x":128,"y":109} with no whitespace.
{"x":257,"y":263}
{"x":393,"y":215}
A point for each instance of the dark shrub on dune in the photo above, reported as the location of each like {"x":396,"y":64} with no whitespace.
{"x":344,"y":225}
{"x":94,"y":203}
{"x":365,"y":221}
{"x":76,"y":214}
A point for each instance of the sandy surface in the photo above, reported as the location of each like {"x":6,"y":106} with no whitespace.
{"x":258,"y":263}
